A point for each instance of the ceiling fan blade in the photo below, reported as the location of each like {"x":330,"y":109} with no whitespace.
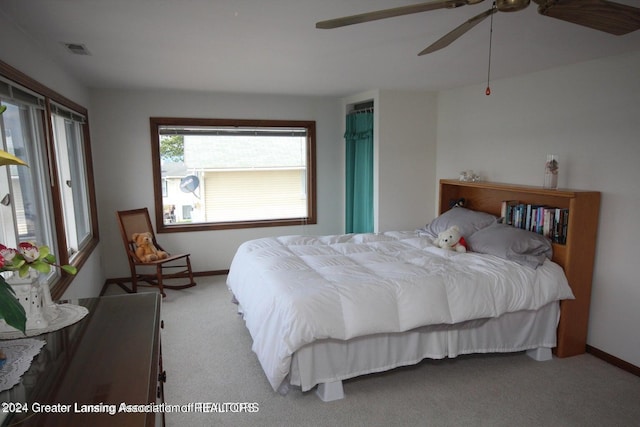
{"x":396,"y":11}
{"x":602,"y":15}
{"x":452,"y":36}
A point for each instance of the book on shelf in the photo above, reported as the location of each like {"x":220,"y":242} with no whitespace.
{"x":507,"y":210}
{"x":549,"y":221}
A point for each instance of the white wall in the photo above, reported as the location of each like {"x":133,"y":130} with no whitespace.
{"x":123,"y":172}
{"x":407,"y":159}
{"x":18,"y":51}
{"x":589,"y":114}
{"x":404,"y":157}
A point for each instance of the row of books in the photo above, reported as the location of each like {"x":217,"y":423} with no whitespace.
{"x":549,"y":221}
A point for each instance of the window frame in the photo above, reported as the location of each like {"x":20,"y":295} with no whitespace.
{"x":60,"y":285}
{"x":161,"y":227}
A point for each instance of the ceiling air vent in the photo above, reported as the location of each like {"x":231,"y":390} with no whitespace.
{"x":77,"y":48}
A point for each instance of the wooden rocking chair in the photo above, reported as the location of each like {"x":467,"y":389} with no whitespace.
{"x":154,"y":273}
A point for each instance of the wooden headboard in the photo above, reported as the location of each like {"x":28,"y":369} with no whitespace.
{"x":576,"y":256}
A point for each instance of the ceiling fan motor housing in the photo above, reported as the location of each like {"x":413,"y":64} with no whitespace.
{"x":511,"y":5}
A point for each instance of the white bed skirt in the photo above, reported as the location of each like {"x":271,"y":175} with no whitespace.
{"x":330,"y":360}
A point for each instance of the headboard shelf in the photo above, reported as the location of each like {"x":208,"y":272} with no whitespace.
{"x":576,"y":256}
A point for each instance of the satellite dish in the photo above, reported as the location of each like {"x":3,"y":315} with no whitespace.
{"x":189,"y":184}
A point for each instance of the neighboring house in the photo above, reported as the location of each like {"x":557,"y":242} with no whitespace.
{"x":236,"y":180}
{"x":177,"y":204}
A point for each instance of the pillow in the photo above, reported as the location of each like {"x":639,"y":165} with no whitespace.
{"x":515,"y":244}
{"x":468,"y":221}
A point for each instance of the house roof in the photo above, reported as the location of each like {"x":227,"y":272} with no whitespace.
{"x":241,"y":152}
{"x":173,"y":169}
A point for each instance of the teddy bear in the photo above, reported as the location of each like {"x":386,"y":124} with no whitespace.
{"x":145,"y":249}
{"x":451,"y":239}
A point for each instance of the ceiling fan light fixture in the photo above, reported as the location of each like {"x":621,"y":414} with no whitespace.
{"x":511,"y":5}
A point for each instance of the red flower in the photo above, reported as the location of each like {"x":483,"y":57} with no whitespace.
{"x":29,"y":251}
{"x":7,"y":254}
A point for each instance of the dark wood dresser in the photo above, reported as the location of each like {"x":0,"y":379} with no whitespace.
{"x":109,"y":358}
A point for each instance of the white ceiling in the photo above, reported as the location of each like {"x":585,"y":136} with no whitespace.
{"x":272,"y":46}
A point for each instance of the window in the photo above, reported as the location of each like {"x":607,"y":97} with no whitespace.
{"x":51,"y":202}
{"x":217,"y":173}
{"x":72,"y":176}
{"x":24,"y":207}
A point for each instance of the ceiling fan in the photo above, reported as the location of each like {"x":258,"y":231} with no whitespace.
{"x":602,"y":15}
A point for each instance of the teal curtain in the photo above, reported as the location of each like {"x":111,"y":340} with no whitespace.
{"x":359,"y":172}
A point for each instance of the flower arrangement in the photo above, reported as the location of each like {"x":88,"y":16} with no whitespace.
{"x":23,"y":259}
{"x":551,"y":171}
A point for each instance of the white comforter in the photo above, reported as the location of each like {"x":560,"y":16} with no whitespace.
{"x":294,"y":290}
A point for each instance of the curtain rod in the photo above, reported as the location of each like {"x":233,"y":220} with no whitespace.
{"x":363,"y":107}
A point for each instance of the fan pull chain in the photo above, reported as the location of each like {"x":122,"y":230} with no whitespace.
{"x":488,"y":91}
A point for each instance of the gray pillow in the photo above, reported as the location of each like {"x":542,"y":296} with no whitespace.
{"x":467,"y":220}
{"x":515,"y":244}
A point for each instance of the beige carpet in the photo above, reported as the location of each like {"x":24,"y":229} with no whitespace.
{"x":208,"y":359}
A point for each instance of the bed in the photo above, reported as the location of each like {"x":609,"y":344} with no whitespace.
{"x":322,"y":309}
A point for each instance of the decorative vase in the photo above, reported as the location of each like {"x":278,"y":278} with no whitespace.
{"x":551,"y":172}
{"x":35,"y":299}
